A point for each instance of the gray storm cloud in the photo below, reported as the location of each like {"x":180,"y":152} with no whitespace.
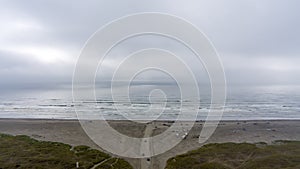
{"x":258,"y":41}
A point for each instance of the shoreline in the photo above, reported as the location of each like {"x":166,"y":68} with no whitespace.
{"x":57,"y":119}
{"x":69,"y":131}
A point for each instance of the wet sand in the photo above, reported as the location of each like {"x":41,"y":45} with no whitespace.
{"x":70,"y":132}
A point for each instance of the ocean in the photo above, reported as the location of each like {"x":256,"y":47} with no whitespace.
{"x":242,"y":103}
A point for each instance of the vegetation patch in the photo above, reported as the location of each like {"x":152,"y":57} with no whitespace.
{"x":279,"y":155}
{"x":25,"y":152}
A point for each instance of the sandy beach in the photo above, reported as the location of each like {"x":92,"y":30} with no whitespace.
{"x":70,"y":132}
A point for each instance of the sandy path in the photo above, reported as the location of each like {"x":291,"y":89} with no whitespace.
{"x":146,"y":162}
{"x":102,"y":162}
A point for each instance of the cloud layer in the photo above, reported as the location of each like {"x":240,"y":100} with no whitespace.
{"x":258,"y":41}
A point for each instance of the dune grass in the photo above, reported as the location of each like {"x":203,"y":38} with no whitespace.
{"x":279,"y":155}
{"x":25,"y":152}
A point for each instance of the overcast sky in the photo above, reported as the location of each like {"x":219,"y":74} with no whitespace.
{"x":258,"y":41}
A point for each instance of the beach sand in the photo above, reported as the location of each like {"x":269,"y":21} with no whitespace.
{"x":70,"y":132}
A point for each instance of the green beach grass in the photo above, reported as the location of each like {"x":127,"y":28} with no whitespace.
{"x":25,"y":152}
{"x":279,"y":155}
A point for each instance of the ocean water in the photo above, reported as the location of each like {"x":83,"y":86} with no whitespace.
{"x":243,"y":103}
